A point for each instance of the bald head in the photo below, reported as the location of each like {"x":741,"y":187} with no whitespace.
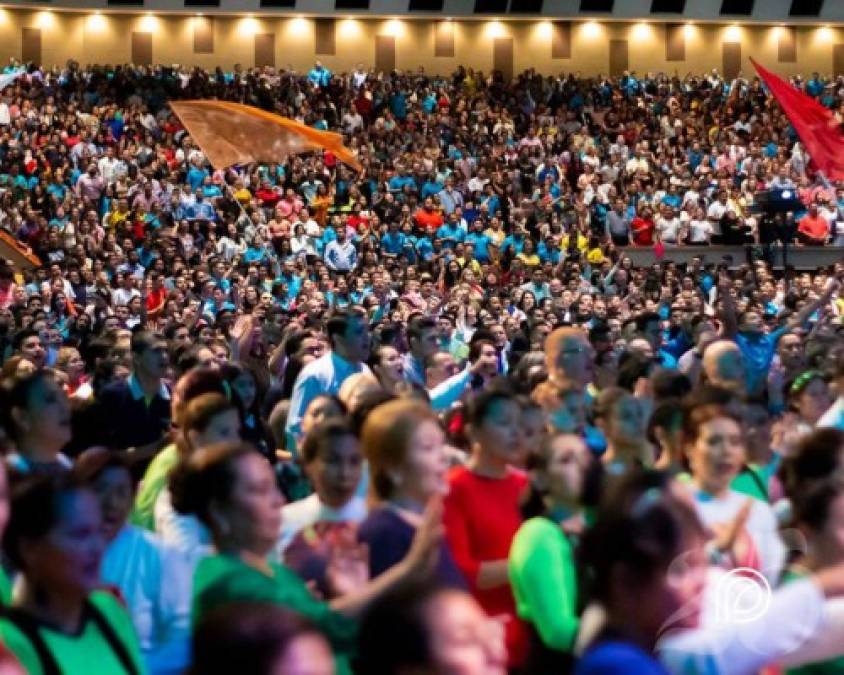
{"x":723,"y":365}
{"x":569,"y":357}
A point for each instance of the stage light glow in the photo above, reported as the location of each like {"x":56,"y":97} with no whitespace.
{"x":825,"y":34}
{"x":149,"y":23}
{"x":394,"y":28}
{"x":642,"y":31}
{"x":495,"y":29}
{"x":349,"y":28}
{"x":248,"y":26}
{"x":45,"y":19}
{"x":592,"y":29}
{"x":96,"y":22}
{"x":299,"y":24}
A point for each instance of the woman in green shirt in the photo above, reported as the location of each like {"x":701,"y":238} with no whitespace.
{"x":542,"y":565}
{"x":232,"y":489}
{"x":61,"y":622}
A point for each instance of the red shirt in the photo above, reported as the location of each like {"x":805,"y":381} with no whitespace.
{"x":816,"y":228}
{"x":643,"y":231}
{"x":268,"y":197}
{"x":430,"y":220}
{"x":481,"y":518}
{"x":155,"y":299}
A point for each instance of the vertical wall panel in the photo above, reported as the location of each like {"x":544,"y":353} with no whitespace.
{"x":787,"y":44}
{"x":675,"y":42}
{"x":31,"y":45}
{"x":265,"y":49}
{"x":502,"y":56}
{"x":203,"y":35}
{"x":731,"y":57}
{"x":561,"y":40}
{"x":838,"y":59}
{"x":325,"y":37}
{"x":444,"y":39}
{"x":619,"y":57}
{"x":141,"y":48}
{"x":385,"y":53}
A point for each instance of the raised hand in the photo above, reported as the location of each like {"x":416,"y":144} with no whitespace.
{"x":348,"y":567}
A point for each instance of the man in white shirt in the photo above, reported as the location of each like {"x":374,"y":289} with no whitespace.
{"x":477,"y":183}
{"x":669,"y":226}
{"x":358,"y":76}
{"x":108,"y":165}
{"x":716,"y":211}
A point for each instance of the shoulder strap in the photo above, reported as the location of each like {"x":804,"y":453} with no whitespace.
{"x":27,"y":625}
{"x":117,"y":646}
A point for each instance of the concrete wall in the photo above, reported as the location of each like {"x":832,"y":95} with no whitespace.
{"x":106,"y":38}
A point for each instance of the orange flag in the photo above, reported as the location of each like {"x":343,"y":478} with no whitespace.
{"x":231,"y":133}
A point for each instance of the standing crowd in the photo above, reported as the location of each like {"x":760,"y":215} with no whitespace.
{"x":428,"y":417}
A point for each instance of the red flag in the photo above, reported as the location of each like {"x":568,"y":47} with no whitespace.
{"x":816,"y":125}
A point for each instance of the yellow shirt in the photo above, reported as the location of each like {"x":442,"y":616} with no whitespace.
{"x":496,"y":237}
{"x":595,"y":256}
{"x":582,"y":242}
{"x":530,"y":260}
{"x":243,"y":196}
{"x":115,"y":218}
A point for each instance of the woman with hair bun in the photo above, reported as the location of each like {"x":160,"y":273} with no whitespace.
{"x":232,"y":490}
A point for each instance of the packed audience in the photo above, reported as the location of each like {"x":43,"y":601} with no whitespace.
{"x":428,"y":417}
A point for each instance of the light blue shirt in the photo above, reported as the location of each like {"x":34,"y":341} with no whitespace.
{"x":834,"y":417}
{"x":323,"y":376}
{"x":448,"y":392}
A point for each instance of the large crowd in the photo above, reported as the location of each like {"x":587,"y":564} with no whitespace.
{"x":428,"y":417}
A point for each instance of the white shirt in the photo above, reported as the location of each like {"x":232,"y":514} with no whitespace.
{"x":761,"y":526}
{"x":155,"y":581}
{"x":301,"y":514}
{"x":669,"y":229}
{"x":183,"y":533}
{"x":798,"y":626}
{"x":108,"y":168}
{"x":123,"y":296}
{"x":699,"y":231}
{"x":715,"y":213}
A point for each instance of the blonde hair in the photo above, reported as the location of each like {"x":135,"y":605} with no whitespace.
{"x":64,"y":356}
{"x":385,"y":439}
